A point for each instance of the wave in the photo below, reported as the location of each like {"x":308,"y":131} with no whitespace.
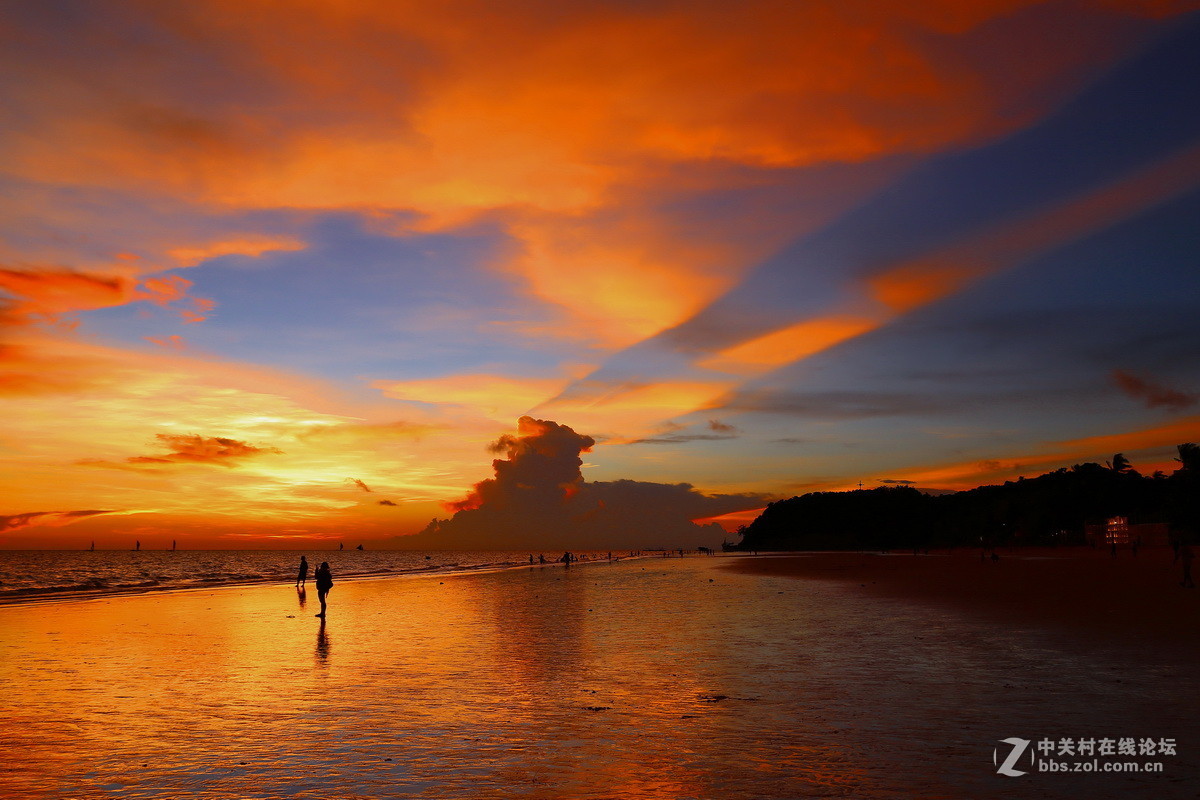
{"x":45,"y":576}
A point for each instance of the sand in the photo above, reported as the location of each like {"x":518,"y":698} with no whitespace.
{"x":1127,"y":600}
{"x":658,"y":678}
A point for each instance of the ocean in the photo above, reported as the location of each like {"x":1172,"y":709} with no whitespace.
{"x":41,"y":575}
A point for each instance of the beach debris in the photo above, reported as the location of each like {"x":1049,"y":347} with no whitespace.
{"x":597,"y":708}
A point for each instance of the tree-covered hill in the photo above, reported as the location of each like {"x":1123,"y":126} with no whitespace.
{"x":1049,"y":509}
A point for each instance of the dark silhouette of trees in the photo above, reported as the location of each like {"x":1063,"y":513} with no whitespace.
{"x":1052,"y":508}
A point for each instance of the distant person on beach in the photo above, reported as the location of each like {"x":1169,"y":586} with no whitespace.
{"x":1186,"y":556}
{"x":303,"y":576}
{"x":567,"y":558}
{"x":324,"y":584}
{"x":541,"y":559}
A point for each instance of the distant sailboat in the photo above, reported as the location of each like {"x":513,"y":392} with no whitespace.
{"x":137,"y":545}
{"x":92,"y":548}
{"x":172,"y":545}
{"x":360,"y":547}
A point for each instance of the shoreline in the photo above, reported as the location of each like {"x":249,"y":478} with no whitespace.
{"x":51,"y":597}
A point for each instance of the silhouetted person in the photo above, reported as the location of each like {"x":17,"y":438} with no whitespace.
{"x":541,"y":559}
{"x":303,"y":576}
{"x":324,"y":584}
{"x":137,"y":545}
{"x":1186,"y":556}
{"x":340,"y":546}
{"x":567,"y":558}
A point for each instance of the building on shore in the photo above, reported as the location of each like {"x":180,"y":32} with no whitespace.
{"x":1120,"y":532}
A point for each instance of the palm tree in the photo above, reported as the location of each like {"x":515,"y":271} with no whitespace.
{"x":1120,"y":464}
{"x":1189,"y":457}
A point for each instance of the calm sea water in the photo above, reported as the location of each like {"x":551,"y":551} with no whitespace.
{"x":27,"y":575}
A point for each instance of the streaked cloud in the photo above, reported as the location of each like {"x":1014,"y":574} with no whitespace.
{"x":1153,"y":394}
{"x":791,"y":245}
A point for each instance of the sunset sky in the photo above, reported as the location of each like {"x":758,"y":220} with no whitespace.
{"x":277,"y":273}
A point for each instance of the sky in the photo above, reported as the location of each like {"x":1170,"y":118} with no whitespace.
{"x":441,"y":274}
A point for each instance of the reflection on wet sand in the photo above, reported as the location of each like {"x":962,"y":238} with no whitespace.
{"x":633,"y":680}
{"x":322,"y":651}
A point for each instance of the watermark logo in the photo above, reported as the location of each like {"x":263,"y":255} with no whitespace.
{"x":1083,"y":754}
{"x":1019,"y":746}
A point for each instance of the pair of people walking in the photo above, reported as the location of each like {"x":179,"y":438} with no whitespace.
{"x":323,"y":577}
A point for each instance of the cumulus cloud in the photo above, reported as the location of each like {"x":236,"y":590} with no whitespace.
{"x":539,"y":500}
{"x":193,"y":449}
{"x":1154,"y":395}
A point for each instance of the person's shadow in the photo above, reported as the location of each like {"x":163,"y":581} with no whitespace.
{"x":322,"y":651}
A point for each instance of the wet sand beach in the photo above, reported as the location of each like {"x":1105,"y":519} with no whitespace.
{"x":1087,"y":594}
{"x":653,"y":678}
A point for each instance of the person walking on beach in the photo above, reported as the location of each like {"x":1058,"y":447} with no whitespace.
{"x":302,"y":578}
{"x":324,"y":584}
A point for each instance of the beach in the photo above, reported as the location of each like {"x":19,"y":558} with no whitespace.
{"x":651,"y":678}
{"x":1086,"y":594}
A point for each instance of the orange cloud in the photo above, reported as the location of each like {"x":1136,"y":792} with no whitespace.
{"x":192,"y":449}
{"x":49,"y":293}
{"x":173,"y":342}
{"x":789,"y":344}
{"x":191,"y":255}
{"x":494,"y":396}
{"x":54,"y":519}
{"x":460,"y":109}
